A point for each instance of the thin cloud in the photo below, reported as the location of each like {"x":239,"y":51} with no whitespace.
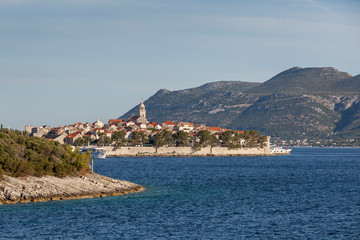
{"x":314,"y":4}
{"x":64,"y":2}
{"x":318,"y":5}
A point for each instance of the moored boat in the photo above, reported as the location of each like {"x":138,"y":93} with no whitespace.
{"x":96,"y":152}
{"x":281,"y":150}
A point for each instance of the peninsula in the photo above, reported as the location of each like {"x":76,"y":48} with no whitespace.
{"x":139,"y":137}
{"x":36,"y":169}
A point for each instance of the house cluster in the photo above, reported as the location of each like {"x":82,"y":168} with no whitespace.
{"x":69,"y":133}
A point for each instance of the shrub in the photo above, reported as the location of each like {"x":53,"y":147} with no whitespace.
{"x":23,"y":155}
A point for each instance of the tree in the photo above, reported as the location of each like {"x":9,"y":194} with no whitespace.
{"x":82,"y":141}
{"x":138,"y":138}
{"x":87,"y":140}
{"x":103,"y":140}
{"x":230,"y":139}
{"x":182,"y":139}
{"x":162,"y":138}
{"x":206,"y":138}
{"x":79,"y":142}
{"x":118,"y":138}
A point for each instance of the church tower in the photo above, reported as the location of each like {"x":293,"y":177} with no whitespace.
{"x":142,"y":111}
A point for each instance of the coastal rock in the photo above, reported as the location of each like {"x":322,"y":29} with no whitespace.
{"x":47,"y":188}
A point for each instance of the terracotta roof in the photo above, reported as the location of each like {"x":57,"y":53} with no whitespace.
{"x":72,"y":135}
{"x":240,"y":131}
{"x":111,"y":121}
{"x":153,"y":123}
{"x":215,"y":129}
{"x":169,"y":123}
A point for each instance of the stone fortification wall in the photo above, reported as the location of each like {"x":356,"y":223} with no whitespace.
{"x":186,"y":151}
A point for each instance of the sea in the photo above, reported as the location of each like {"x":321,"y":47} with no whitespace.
{"x":314,"y":193}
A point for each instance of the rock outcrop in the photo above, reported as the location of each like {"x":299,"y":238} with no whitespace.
{"x":48,"y":188}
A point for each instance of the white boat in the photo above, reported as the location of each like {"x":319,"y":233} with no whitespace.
{"x":282,"y":150}
{"x":96,"y":152}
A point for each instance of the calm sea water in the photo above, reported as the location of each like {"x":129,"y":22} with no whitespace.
{"x":312,"y":194}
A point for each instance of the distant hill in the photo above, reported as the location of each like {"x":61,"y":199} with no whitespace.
{"x":296,"y":103}
{"x":306,"y":81}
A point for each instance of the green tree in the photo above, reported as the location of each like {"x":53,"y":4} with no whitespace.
{"x":118,"y":138}
{"x":103,"y":140}
{"x":79,"y":142}
{"x":230,"y":139}
{"x":206,"y":138}
{"x":138,"y":138}
{"x":23,"y":155}
{"x":162,"y":138}
{"x":182,"y":139}
{"x":82,"y":141}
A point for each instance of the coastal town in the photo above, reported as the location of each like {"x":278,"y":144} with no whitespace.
{"x":138,"y":131}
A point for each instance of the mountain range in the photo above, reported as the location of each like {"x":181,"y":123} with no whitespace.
{"x":295,"y":104}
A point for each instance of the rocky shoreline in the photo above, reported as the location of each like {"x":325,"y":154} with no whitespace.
{"x":49,"y":188}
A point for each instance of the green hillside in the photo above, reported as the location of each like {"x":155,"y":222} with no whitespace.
{"x":23,"y":155}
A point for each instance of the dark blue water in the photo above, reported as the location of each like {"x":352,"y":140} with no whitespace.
{"x":312,"y":194}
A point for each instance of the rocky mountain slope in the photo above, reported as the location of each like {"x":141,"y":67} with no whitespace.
{"x":297,"y":103}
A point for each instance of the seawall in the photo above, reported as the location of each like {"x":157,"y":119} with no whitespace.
{"x":187,"y":151}
{"x":48,"y":188}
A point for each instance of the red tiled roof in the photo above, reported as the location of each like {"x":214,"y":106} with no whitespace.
{"x":72,"y":135}
{"x":240,"y":131}
{"x":153,"y":123}
{"x":111,"y":121}
{"x":169,"y":123}
{"x":215,"y":129}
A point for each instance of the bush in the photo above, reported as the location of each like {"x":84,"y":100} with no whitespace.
{"x":23,"y":155}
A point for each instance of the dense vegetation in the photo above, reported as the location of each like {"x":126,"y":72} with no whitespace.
{"x":21,"y":155}
{"x":204,"y":138}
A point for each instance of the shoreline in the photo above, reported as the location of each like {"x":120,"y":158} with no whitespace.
{"x":208,"y":155}
{"x":149,"y":151}
{"x":48,"y":188}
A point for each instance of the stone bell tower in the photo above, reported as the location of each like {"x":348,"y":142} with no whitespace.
{"x":142,"y":111}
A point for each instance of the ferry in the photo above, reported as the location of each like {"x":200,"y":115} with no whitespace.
{"x":96,"y":152}
{"x":282,"y":150}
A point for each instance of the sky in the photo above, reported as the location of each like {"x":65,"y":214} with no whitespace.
{"x":67,"y":61}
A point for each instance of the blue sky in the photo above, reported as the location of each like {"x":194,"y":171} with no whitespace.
{"x":64,"y":61}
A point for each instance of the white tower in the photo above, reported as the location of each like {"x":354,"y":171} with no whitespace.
{"x":142,"y":111}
